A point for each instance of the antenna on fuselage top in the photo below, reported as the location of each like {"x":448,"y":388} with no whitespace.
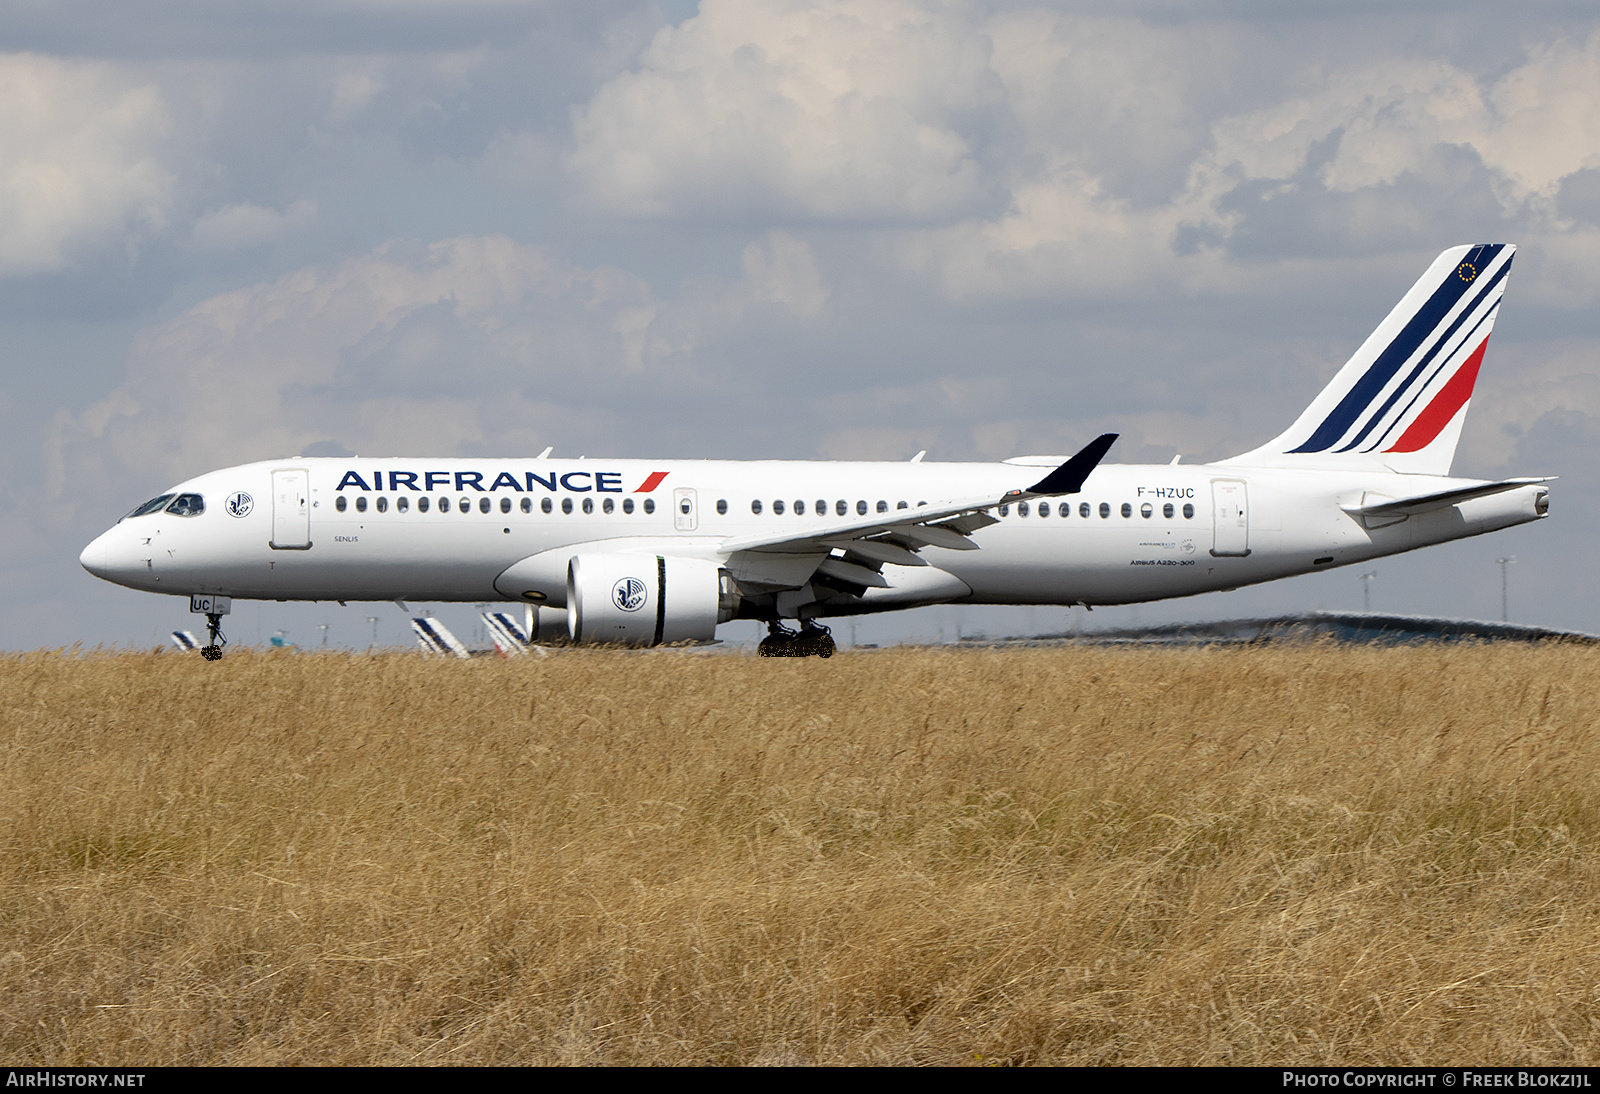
{"x":545,"y":455}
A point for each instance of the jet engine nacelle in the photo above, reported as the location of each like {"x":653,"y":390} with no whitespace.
{"x":645,"y":600}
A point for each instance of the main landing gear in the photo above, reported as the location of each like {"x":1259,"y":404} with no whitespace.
{"x":811,"y":640}
{"x":212,"y":650}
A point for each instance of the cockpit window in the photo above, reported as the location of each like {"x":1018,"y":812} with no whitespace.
{"x":187,"y":505}
{"x":151,"y":506}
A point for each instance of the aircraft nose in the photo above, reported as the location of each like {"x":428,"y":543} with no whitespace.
{"x":108,"y":557}
{"x":96,"y":558}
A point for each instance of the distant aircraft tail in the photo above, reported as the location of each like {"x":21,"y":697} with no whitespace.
{"x":1400,"y":401}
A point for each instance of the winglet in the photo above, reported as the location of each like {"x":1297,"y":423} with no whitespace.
{"x":1069,"y":477}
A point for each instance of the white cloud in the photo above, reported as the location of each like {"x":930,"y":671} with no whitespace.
{"x":468,"y":344}
{"x":406,"y":349}
{"x":78,"y":161}
{"x":834,"y":109}
{"x":1355,"y":135}
{"x":780,"y":270}
{"x":248,"y":224}
{"x":1534,"y":126}
{"x":353,"y":90}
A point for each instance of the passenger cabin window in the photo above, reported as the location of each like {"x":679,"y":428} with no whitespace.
{"x":861,"y":508}
{"x":1005,"y":510}
{"x":1044,"y":509}
{"x":902,"y":505}
{"x":154,"y":505}
{"x":755,"y":507}
{"x":777,"y":507}
{"x":1127,"y":510}
{"x":401,"y":504}
{"x":588,"y":505}
{"x":546,"y":505}
{"x":1022,"y":508}
{"x":1146,"y":510}
{"x":444,"y":505}
{"x":1166,"y":510}
{"x":841,"y":507}
{"x":505,"y":505}
{"x":608,"y":505}
{"x":627,"y":505}
{"x":722,"y":507}
{"x":382,"y":504}
{"x":361,"y":503}
{"x":1105,"y":510}
{"x":1188,"y":511}
{"x":341,"y":503}
{"x":883,"y":506}
{"x":187,"y":505}
{"x":822,"y":508}
{"x":566,"y":506}
{"x":1083,"y":510}
{"x":527,"y":505}
{"x":422,"y":504}
{"x":649,"y":506}
{"x":483,"y":505}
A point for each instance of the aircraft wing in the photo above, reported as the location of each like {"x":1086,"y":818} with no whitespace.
{"x":1441,"y":499}
{"x":790,"y":558}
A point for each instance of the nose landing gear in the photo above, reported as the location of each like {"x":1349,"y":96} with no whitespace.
{"x":811,"y":640}
{"x":212,"y":650}
{"x":213,"y":608}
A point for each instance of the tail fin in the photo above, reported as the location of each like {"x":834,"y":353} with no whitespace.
{"x":1400,"y":401}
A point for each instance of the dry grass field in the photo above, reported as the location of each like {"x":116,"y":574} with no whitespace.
{"x":1297,"y":854}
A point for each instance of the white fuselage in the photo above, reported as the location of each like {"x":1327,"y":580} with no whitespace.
{"x":1150,"y":533}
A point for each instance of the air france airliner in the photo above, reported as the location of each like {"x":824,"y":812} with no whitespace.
{"x":642,"y":552}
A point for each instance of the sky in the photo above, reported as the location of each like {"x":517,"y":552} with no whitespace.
{"x":765,"y":229}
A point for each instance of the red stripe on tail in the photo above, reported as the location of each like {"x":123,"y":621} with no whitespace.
{"x":1451,"y":398}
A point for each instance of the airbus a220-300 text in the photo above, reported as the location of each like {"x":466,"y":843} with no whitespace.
{"x":646,"y":552}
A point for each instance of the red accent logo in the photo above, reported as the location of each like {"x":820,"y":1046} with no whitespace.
{"x":652,"y":482}
{"x":1437,"y":414}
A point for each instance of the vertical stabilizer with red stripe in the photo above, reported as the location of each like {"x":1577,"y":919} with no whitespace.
{"x":1400,"y":401}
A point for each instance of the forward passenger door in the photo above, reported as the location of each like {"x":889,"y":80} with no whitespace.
{"x":291,"y":510}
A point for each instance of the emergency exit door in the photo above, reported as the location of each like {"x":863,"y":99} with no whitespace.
{"x":683,"y":514}
{"x":1230,"y":511}
{"x":291,"y":510}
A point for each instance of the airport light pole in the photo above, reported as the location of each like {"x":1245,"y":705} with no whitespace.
{"x":374,"y":621}
{"x":323,"y":627}
{"x":1505,"y":613}
{"x":1366,"y":589}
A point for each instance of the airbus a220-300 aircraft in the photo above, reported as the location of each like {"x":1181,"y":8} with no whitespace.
{"x":650,"y":552}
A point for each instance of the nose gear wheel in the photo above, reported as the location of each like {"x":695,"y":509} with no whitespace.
{"x":212,"y":650}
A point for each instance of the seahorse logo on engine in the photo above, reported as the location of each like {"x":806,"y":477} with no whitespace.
{"x":629,"y":594}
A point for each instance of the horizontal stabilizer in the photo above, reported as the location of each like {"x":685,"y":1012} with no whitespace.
{"x":1441,"y":499}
